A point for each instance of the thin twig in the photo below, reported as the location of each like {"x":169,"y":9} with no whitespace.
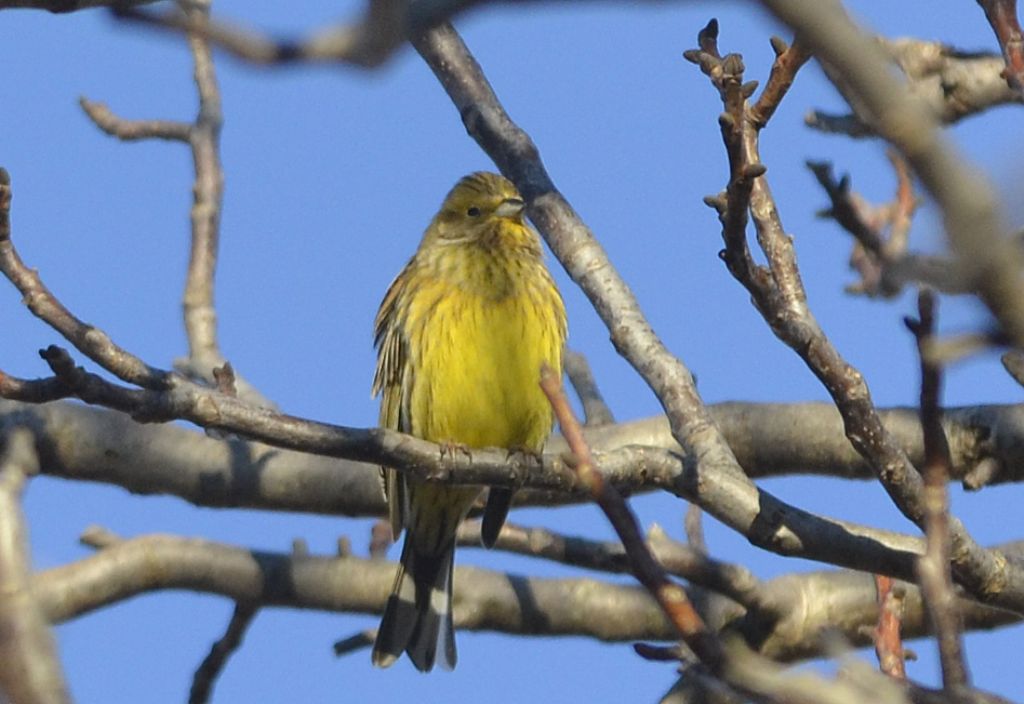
{"x":902,"y":208}
{"x":203,"y":137}
{"x":845,"y":210}
{"x":888,"y":643}
{"x":670,"y":596}
{"x":133,"y":130}
{"x":213,"y":664}
{"x":595,"y":410}
{"x":881,"y":257}
{"x":207,"y":192}
{"x":788,"y":60}
{"x":933,"y":567}
{"x":30,"y":670}
{"x":1002,"y":15}
{"x":355,"y":643}
{"x":91,"y":341}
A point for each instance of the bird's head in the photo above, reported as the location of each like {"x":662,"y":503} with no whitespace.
{"x":477,"y":207}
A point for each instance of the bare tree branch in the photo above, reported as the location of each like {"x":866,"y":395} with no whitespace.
{"x":212,"y":665}
{"x":645,"y":567}
{"x":880,"y":257}
{"x":89,"y":340}
{"x":133,"y":130}
{"x":1002,"y":15}
{"x":933,"y":567}
{"x":30,"y":671}
{"x":367,"y":43}
{"x":836,"y":600}
{"x":64,"y":6}
{"x":952,"y":84}
{"x":888,"y":641}
{"x":779,"y":295}
{"x":987,"y":256}
{"x":207,"y":193}
{"x":595,"y":410}
{"x":768,"y":439}
{"x":203,"y":137}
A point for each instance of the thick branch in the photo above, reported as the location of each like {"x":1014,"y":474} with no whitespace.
{"x":484,"y":600}
{"x":769,"y":440}
{"x":30,"y":671}
{"x":733,"y":581}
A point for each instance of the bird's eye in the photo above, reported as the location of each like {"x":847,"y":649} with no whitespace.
{"x":473,"y":212}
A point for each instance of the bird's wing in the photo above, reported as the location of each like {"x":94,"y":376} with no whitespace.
{"x":390,"y":381}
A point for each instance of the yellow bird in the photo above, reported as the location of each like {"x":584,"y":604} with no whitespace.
{"x":461,"y":336}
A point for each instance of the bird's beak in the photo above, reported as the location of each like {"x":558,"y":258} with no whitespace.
{"x":510,"y":208}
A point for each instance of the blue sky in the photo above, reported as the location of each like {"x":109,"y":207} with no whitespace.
{"x":331,"y":176}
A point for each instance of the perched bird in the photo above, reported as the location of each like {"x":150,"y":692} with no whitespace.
{"x":461,"y":336}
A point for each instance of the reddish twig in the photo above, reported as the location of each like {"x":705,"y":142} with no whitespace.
{"x":669,"y":595}
{"x":888,"y":643}
{"x":934,"y":566}
{"x":1002,"y":15}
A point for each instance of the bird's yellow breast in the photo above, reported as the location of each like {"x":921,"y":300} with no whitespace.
{"x":478,"y":350}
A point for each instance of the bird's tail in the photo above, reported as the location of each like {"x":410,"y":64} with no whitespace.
{"x":418,"y":615}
